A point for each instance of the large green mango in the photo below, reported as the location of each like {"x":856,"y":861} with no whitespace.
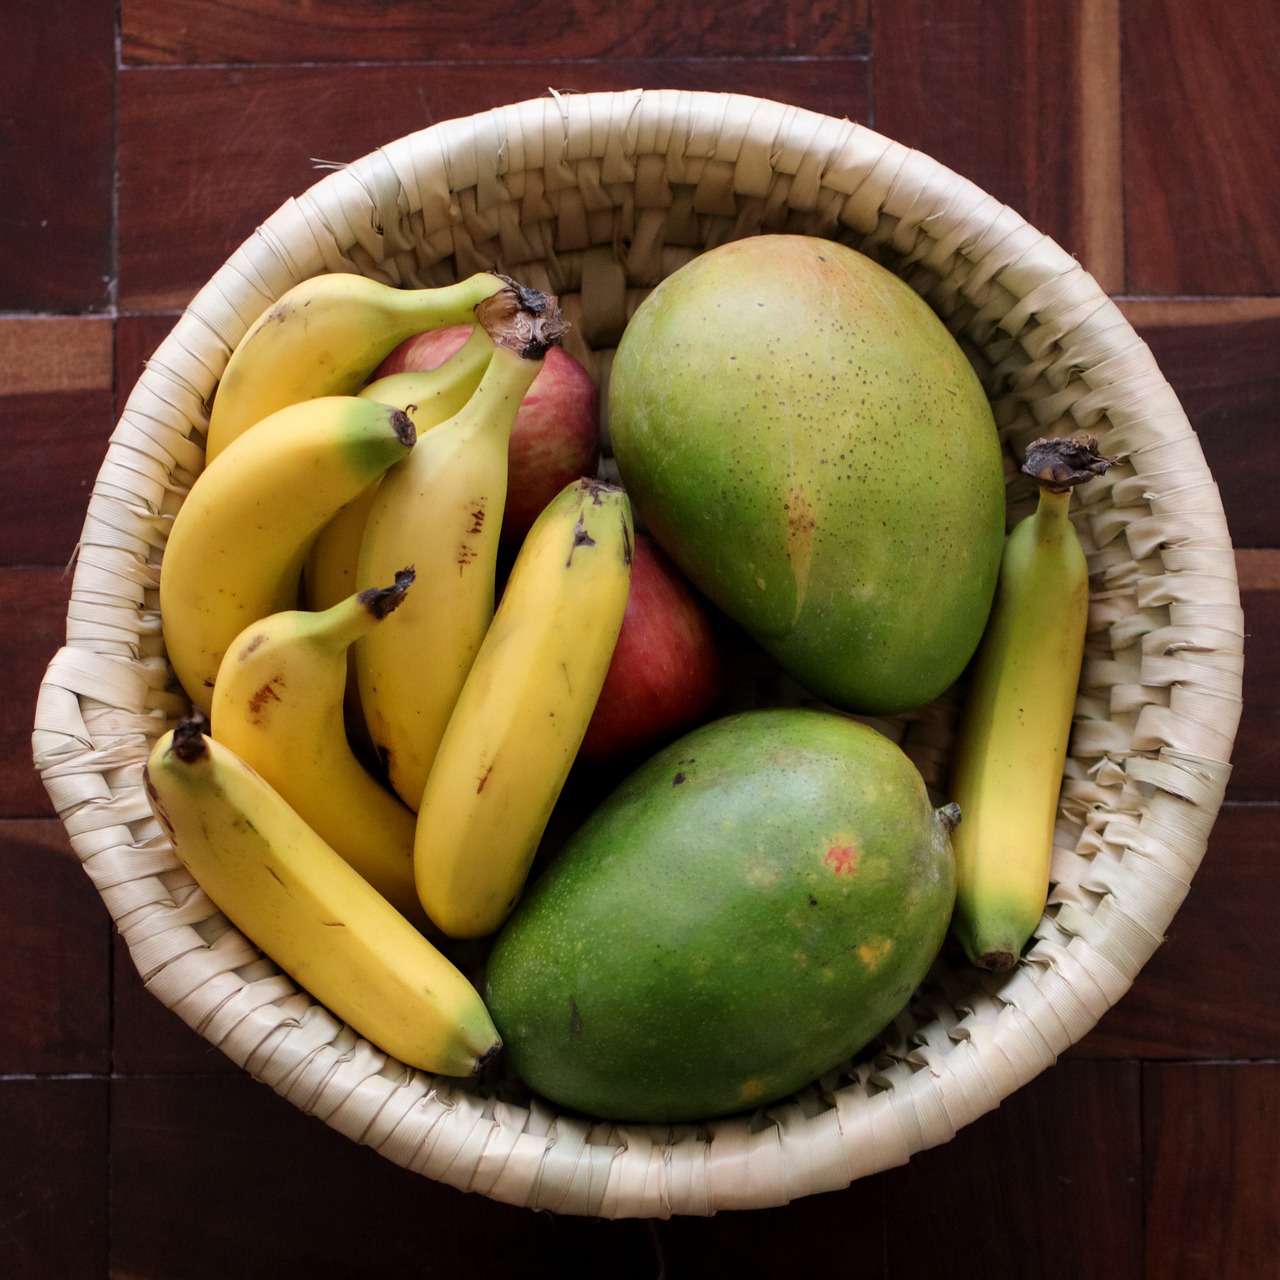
{"x":809,"y":443}
{"x":746,"y":911}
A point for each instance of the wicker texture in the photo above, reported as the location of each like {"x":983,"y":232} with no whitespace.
{"x":596,"y":198}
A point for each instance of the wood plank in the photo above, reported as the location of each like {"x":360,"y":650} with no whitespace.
{"x":54,"y":1003}
{"x":214,"y":31}
{"x":1202,"y":146}
{"x":57,"y":66}
{"x":1047,"y":1185}
{"x":1015,"y":69}
{"x":217,"y":1176}
{"x":189,"y":196}
{"x":1210,"y":990}
{"x":54,"y":445}
{"x":1226,"y":375}
{"x":53,"y":1178}
{"x":38,"y":597}
{"x":54,"y":353}
{"x":1211,"y":1139}
{"x":1101,"y":146}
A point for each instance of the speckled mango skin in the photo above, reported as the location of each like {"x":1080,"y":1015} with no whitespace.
{"x":747,"y":910}
{"x":808,"y":442}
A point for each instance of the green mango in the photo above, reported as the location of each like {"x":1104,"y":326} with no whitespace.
{"x":810,"y":445}
{"x":744,"y":912}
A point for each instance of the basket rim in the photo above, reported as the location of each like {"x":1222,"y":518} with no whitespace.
{"x":1157,"y":764}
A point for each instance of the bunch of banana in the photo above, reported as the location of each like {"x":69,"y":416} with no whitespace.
{"x":278,"y":704}
{"x":442,"y":513}
{"x":1016,"y":723}
{"x":238,"y":543}
{"x":279,"y":883}
{"x":326,"y":336}
{"x":523,"y":710}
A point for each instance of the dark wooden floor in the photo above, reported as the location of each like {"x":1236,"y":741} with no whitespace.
{"x":137,"y":151}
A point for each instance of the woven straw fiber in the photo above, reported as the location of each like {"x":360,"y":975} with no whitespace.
{"x":596,"y":198}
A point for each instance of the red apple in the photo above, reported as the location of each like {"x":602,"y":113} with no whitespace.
{"x":556,"y":437}
{"x":667,"y":671}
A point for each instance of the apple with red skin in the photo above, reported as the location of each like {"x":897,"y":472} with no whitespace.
{"x":667,"y":671}
{"x":556,"y":436}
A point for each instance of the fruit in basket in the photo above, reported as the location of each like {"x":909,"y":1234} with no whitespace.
{"x":278,"y":704}
{"x":807,"y":440}
{"x":556,"y":436}
{"x":666,"y":673}
{"x":291,"y":895}
{"x":238,"y":543}
{"x":747,"y":910}
{"x":1006,"y":767}
{"x":440,"y":513}
{"x":522,"y":712}
{"x":325,"y":336}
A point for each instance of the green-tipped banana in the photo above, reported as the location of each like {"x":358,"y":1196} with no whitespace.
{"x":326,"y":336}
{"x":287,"y":891}
{"x":524,"y":709}
{"x":278,"y":704}
{"x":238,"y":543}
{"x":1012,"y":742}
{"x":442,"y":514}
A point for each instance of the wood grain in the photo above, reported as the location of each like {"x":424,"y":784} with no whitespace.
{"x":57,"y":66}
{"x":1201,"y":146}
{"x":216,"y":31}
{"x":1211,"y":1149}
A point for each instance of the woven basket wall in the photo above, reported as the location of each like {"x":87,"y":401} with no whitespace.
{"x":596,"y":198}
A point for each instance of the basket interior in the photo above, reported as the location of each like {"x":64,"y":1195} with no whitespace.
{"x":596,"y":198}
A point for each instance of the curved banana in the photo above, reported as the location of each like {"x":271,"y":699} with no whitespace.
{"x":237,"y":545}
{"x":429,"y":397}
{"x":278,"y":704}
{"x":524,"y":710}
{"x":326,"y":336}
{"x":1016,"y":722}
{"x":441,"y":514}
{"x":296,"y":899}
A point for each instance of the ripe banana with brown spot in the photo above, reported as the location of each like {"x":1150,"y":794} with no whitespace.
{"x":278,"y":704}
{"x":287,"y":891}
{"x":442,"y":514}
{"x":524,"y":710}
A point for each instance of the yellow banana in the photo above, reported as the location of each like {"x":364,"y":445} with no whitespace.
{"x":430,"y":397}
{"x":237,"y":545}
{"x":523,"y":710}
{"x":278,"y":704}
{"x":326,"y":336}
{"x":296,"y":899}
{"x":442,"y":514}
{"x":1016,"y":722}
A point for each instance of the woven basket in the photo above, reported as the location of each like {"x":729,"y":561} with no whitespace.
{"x":596,"y":198}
